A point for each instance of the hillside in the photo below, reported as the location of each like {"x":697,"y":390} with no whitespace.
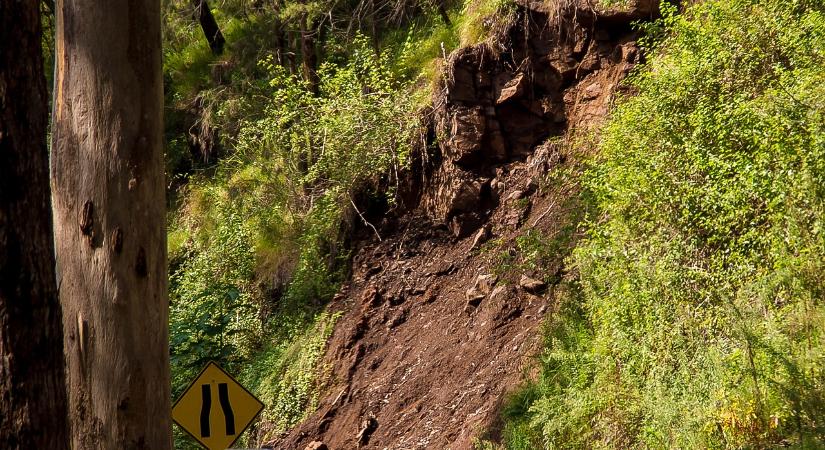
{"x":412,"y":224}
{"x":438,"y":325}
{"x":570,"y":224}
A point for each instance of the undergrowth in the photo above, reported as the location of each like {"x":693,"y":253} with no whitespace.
{"x":696,"y":319}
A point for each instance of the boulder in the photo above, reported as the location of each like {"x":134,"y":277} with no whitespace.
{"x":532,"y":285}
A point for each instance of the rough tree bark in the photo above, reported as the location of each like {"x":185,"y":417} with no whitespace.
{"x":209,"y":26}
{"x":32,"y":379}
{"x":109,"y":211}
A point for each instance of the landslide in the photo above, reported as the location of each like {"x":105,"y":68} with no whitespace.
{"x":441,"y":317}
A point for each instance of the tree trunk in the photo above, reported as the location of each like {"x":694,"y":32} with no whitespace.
{"x":443,"y":13}
{"x":278,"y":33}
{"x":309,"y":57}
{"x":109,"y":210}
{"x":32,"y":378}
{"x":209,"y":26}
{"x":292,"y":39}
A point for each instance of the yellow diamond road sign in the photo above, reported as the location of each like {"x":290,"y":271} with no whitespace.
{"x":215,"y":409}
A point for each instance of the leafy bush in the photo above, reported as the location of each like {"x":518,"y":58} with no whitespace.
{"x":287,"y":375}
{"x":309,"y":156}
{"x":698,"y":321}
{"x":213,"y":314}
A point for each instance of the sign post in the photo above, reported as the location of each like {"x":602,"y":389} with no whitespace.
{"x":215,"y":409}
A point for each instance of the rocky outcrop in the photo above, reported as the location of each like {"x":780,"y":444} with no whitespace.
{"x":555,"y":68}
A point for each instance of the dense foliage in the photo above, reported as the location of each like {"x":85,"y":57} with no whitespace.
{"x":697,"y":318}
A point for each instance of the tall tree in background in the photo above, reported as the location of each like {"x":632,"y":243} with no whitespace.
{"x":309,"y":62}
{"x":209,"y":26}
{"x":32,"y":380}
{"x":109,"y":210}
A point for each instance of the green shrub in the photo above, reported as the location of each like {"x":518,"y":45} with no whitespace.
{"x":289,"y":375}
{"x":698,"y":320}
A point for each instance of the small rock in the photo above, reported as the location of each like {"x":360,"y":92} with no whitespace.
{"x":474,"y":296}
{"x":495,"y":144}
{"x":515,"y":195}
{"x":507,"y":313}
{"x":372,"y":270}
{"x":370,"y":298}
{"x":463,"y":224}
{"x":316,"y":445}
{"x":429,"y":297}
{"x":357,"y":331}
{"x":396,"y":299}
{"x":414,"y":291}
{"x":468,"y":125}
{"x":323,"y":426}
{"x":481,"y":237}
{"x":630,"y":52}
{"x":444,"y":269}
{"x":368,"y":426}
{"x":532,"y":186}
{"x":592,"y":91}
{"x":398,"y":319}
{"x":497,"y":188}
{"x":531,"y":285}
{"x":590,"y":63}
{"x":499,"y":293}
{"x":517,"y":216}
{"x":483,"y":285}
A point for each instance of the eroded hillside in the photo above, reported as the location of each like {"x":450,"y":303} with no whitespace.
{"x":442,"y":312}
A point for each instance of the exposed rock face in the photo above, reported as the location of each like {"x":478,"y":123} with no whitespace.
{"x":554,"y":69}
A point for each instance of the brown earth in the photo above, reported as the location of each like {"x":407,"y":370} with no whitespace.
{"x":441,"y":317}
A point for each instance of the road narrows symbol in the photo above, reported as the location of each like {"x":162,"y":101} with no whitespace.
{"x":229,"y":416}
{"x":206,"y":407}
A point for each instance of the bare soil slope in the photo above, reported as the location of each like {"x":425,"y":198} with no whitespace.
{"x":436,"y":328}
